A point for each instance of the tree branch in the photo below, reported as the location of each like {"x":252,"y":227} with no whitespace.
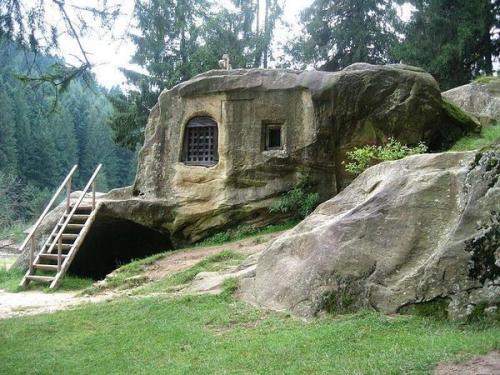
{"x":67,"y":19}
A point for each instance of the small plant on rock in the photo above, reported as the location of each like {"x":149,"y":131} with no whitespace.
{"x":363,"y":157}
{"x":299,"y":201}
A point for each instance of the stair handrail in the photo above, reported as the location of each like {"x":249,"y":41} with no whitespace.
{"x":72,"y":212}
{"x":47,"y":208}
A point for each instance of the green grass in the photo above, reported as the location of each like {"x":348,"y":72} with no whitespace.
{"x":215,"y":335}
{"x":244,"y":231}
{"x":212,"y":263}
{"x":127,"y":276}
{"x":486,"y":79}
{"x":489,"y":135}
{"x":6,"y":262}
{"x":9,"y":281}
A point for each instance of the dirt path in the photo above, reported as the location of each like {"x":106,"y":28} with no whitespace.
{"x":488,"y":364}
{"x":39,"y":302}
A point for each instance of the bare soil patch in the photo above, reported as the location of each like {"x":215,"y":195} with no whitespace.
{"x":184,"y":259}
{"x":38,"y":302}
{"x":488,"y":364}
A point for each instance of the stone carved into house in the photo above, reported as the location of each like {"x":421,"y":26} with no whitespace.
{"x":220,"y":148}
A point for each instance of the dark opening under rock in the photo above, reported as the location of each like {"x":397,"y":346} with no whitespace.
{"x":113,"y":242}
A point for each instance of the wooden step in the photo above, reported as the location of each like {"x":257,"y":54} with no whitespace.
{"x":83,"y":209}
{"x":51,"y":256}
{"x":65,"y":246}
{"x":69,"y":236}
{"x":46,"y":267}
{"x":65,"y":236}
{"x":41,"y":279}
{"x":78,"y":217}
{"x":72,"y":226}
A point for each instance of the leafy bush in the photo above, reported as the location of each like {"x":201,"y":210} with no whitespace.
{"x":363,"y":157}
{"x":298,"y":202}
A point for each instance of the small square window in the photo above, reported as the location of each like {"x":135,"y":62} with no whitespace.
{"x":273,"y":137}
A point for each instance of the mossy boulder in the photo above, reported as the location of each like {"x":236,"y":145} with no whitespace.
{"x":481,"y":98}
{"x":421,"y":235}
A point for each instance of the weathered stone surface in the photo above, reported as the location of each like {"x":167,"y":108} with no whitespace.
{"x":422,"y":229}
{"x":323,"y":115}
{"x":480,"y":99}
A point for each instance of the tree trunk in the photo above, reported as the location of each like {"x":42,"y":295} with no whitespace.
{"x":258,"y":41}
{"x":266,"y":34}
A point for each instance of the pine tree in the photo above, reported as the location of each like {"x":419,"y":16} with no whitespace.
{"x":179,"y":39}
{"x":38,"y":145}
{"x":8,"y":154}
{"x":452,"y":39}
{"x":343,"y":32}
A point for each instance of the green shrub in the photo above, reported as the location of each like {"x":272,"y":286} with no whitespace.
{"x":298,"y":202}
{"x":363,"y":157}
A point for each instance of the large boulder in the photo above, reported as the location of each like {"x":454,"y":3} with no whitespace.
{"x":321,"y":116}
{"x":324,"y":115}
{"x":424,"y":229}
{"x":480,"y":99}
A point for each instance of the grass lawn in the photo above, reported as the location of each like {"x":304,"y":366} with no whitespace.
{"x":9,"y":281}
{"x":215,"y":334}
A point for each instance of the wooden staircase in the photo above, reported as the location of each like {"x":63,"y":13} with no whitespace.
{"x":52,"y":261}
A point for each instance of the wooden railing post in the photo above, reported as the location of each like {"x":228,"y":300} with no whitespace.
{"x":75,"y":206}
{"x":32,"y":252}
{"x":93,"y":195}
{"x":46,"y":210}
{"x":59,"y":253}
{"x":68,"y":194}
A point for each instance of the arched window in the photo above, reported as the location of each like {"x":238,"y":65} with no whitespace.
{"x":200,"y":142}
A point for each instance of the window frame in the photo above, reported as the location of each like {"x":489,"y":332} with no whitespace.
{"x":194,"y":125}
{"x":267,"y":126}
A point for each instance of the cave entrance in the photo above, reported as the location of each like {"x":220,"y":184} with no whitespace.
{"x":112,"y":242}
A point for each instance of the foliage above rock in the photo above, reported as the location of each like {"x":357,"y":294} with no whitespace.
{"x":363,"y":157}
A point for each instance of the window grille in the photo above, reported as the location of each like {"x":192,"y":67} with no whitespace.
{"x":200,"y":142}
